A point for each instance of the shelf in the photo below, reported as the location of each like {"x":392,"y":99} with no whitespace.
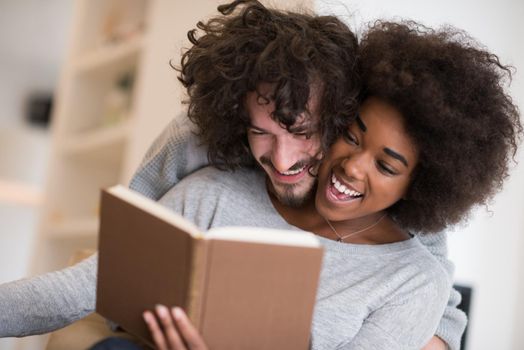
{"x":110,"y":54}
{"x":103,"y":138}
{"x":94,"y":118}
{"x":73,"y":228}
{"x":14,"y":192}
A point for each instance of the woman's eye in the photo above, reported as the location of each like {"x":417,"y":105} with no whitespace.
{"x":386,"y":169}
{"x":350,"y":138}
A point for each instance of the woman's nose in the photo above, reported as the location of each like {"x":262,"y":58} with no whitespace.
{"x":355,"y":166}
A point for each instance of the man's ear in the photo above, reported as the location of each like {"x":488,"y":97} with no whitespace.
{"x":313,"y":170}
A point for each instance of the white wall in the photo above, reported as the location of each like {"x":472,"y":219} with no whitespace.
{"x":487,"y":251}
{"x":33,"y":35}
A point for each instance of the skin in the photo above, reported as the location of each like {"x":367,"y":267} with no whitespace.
{"x":285,"y":156}
{"x":375,"y":157}
{"x":179,"y":334}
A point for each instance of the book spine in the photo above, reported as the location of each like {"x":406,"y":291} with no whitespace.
{"x":197,"y":282}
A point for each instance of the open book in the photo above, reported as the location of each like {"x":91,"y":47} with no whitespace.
{"x":242,"y":287}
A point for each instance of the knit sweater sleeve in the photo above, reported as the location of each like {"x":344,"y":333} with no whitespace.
{"x":175,"y":154}
{"x":45,"y":303}
{"x":453,"y":322}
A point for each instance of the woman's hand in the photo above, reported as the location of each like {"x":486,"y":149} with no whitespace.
{"x":177,"y":331}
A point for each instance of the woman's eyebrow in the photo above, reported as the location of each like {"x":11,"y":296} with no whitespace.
{"x":360,"y":123}
{"x":396,"y":155}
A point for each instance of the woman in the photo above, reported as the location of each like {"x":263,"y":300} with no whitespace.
{"x":433,"y":138}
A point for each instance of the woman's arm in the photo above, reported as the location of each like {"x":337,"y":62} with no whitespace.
{"x":175,"y":154}
{"x":45,"y":303}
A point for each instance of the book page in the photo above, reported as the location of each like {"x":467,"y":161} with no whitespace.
{"x":264,"y":235}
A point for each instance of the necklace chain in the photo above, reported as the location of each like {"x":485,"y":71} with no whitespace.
{"x":342,"y":238}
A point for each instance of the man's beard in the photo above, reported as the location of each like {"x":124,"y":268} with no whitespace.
{"x":289,"y":198}
{"x":286,"y":194}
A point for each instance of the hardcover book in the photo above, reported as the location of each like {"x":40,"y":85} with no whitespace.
{"x":242,"y":287}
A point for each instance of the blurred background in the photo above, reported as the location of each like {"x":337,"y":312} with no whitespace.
{"x":85,"y":86}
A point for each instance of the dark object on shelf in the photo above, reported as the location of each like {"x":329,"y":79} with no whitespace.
{"x":464,"y":305}
{"x":38,"y":109}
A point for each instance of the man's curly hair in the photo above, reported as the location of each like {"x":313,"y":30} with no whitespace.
{"x":249,"y":44}
{"x":451,"y":94}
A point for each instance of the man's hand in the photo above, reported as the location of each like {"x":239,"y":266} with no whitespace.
{"x":177,"y":331}
{"x":436,"y":344}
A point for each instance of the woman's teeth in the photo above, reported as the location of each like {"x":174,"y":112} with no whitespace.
{"x":342,"y":188}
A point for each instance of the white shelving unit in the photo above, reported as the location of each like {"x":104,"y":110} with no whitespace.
{"x":98,"y":141}
{"x":73,"y":228}
{"x":110,"y":55}
{"x":14,"y":192}
{"x":93,"y":120}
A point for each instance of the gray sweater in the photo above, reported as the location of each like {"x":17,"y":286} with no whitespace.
{"x":54,"y":300}
{"x":378,"y":297}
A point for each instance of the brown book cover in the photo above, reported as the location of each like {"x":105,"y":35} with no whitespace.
{"x":242,"y":287}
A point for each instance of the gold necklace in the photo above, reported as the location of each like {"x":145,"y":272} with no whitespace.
{"x":342,"y":238}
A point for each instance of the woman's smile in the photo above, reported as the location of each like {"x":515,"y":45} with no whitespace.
{"x":340,"y":190}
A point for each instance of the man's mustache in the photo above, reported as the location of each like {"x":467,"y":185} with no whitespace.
{"x":298,"y":165}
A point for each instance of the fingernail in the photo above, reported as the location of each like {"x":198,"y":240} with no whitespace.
{"x":147,"y":316}
{"x":178,"y":313}
{"x":161,"y":310}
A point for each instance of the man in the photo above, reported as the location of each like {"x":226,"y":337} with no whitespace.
{"x":282,"y":84}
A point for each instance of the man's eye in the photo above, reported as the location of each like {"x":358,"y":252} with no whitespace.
{"x":349,"y":138}
{"x":306,"y":135}
{"x":256,"y":132}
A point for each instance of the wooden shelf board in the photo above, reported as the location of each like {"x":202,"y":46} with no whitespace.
{"x":109,"y":54}
{"x":96,"y":140}
{"x":73,"y":228}
{"x":15,"y":192}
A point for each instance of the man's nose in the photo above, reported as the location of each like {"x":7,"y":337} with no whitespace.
{"x":284,"y":154}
